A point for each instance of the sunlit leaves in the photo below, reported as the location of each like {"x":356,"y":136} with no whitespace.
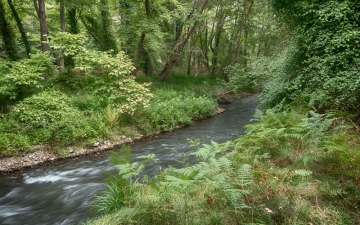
{"x":26,"y":73}
{"x":111,"y":75}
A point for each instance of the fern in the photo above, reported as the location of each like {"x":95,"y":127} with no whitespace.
{"x":303,"y":173}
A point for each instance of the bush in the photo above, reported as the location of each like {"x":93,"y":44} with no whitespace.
{"x":24,"y":76}
{"x":49,"y":117}
{"x":169,"y":109}
{"x":12,"y":136}
{"x":43,"y":109}
{"x":109,"y":77}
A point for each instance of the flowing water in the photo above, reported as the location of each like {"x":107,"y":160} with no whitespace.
{"x":61,"y":193}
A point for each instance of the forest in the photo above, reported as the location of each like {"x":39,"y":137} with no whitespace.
{"x":79,"y":73}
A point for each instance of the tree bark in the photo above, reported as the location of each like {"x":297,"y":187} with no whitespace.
{"x":138,"y":55}
{"x":243,"y":16}
{"x":142,"y":39}
{"x":72,"y":20}
{"x":40,"y":10}
{"x":7,"y":35}
{"x":218,"y":30}
{"x":176,"y":52}
{"x":20,"y":27}
{"x":61,"y":62}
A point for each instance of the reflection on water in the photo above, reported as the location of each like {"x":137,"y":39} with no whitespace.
{"x":61,"y":193}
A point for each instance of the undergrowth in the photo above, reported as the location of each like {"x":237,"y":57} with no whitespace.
{"x":66,"y":113}
{"x":293,"y":167}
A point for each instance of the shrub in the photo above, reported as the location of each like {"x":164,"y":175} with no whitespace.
{"x":109,"y":77}
{"x":12,"y":136}
{"x":49,"y":117}
{"x":22,"y":77}
{"x":169,"y":109}
{"x":43,"y":109}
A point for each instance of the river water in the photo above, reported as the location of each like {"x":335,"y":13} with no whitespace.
{"x":61,"y":193}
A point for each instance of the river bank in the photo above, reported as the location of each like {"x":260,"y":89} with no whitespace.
{"x":45,"y":153}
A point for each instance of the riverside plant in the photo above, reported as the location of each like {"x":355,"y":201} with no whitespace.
{"x":189,"y":195}
{"x":305,"y":170}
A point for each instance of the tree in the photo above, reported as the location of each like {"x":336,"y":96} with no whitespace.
{"x":20,"y":27}
{"x":177,"y":49}
{"x":7,"y":34}
{"x":40,"y":11}
{"x":142,"y":38}
{"x":99,"y":27}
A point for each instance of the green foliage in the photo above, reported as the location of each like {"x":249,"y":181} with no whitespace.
{"x":43,"y":109}
{"x":209,"y":192}
{"x":302,"y":159}
{"x":12,"y":137}
{"x":49,"y":117}
{"x":108,"y":77}
{"x":241,"y":78}
{"x":169,"y":109}
{"x":327,"y":34}
{"x":24,"y":76}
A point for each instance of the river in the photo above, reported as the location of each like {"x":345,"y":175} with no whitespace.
{"x":60,"y":193}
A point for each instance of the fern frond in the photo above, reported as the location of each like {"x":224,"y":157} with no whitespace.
{"x":303,"y":173}
{"x":172,"y":181}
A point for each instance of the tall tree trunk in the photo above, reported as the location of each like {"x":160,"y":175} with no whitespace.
{"x":142,"y":39}
{"x":241,"y":29}
{"x":172,"y":58}
{"x":204,"y":44}
{"x":218,"y":30}
{"x":190,"y":56}
{"x":7,"y":35}
{"x":60,"y":61}
{"x":20,"y":27}
{"x":72,"y":21}
{"x":40,"y":10}
{"x":73,"y":29}
{"x":138,"y":55}
{"x":107,"y":41}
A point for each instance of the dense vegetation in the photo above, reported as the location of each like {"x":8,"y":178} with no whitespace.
{"x":75,"y":75}
{"x":299,"y":164}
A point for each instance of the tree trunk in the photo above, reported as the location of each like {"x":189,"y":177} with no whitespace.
{"x":138,"y":55}
{"x":40,"y":10}
{"x":142,"y":39}
{"x":218,"y":30}
{"x":107,"y":40}
{"x":243,"y":16}
{"x":72,"y":21}
{"x":178,"y":48}
{"x":7,"y":35}
{"x":20,"y":27}
{"x":60,"y":61}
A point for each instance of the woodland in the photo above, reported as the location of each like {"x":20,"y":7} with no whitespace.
{"x":76,"y":72}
